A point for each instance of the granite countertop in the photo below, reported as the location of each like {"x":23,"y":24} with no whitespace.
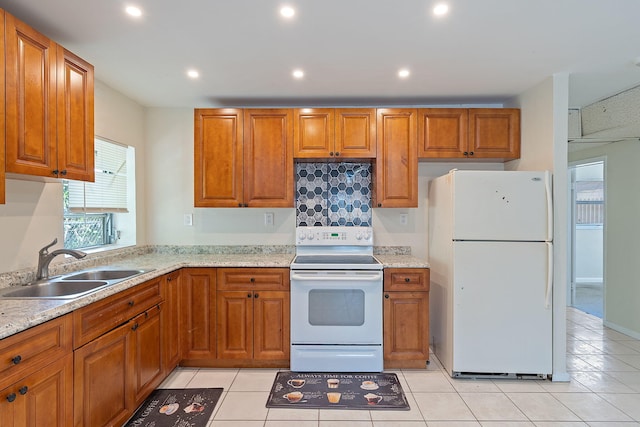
{"x":18,"y":315}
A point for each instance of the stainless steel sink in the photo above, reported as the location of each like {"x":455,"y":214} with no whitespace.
{"x":72,"y":285}
{"x":56,"y":289}
{"x":103,"y":275}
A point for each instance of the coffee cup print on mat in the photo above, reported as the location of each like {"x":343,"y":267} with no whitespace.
{"x":333,"y":382}
{"x":372,"y":399}
{"x":293,"y":397}
{"x":369,"y":385}
{"x":333,"y":397}
{"x":296,"y":382}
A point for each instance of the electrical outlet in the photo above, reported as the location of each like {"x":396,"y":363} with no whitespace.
{"x":188,"y":219}
{"x":268,"y":218}
{"x":404,"y":218}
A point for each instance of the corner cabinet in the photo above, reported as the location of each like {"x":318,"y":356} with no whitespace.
{"x":396,"y":183}
{"x":342,"y":133}
{"x":243,"y":158}
{"x":49,"y":106}
{"x":475,"y":133}
{"x":406,"y":317}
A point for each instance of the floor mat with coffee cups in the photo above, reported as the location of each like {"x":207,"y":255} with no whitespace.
{"x":370,"y":391}
{"x":176,"y":407}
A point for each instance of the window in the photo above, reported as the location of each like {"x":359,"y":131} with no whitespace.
{"x":99,"y":213}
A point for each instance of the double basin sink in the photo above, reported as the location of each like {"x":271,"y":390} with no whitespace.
{"x":72,"y":285}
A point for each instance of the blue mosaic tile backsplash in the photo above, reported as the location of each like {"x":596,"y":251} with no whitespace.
{"x":333,"y":194}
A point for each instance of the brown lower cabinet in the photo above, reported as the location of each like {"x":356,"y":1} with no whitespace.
{"x":170,"y":317}
{"x":198,"y":304}
{"x":406,"y":317}
{"x":44,"y":398}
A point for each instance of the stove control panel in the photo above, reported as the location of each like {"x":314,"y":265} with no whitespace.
{"x":334,"y":236}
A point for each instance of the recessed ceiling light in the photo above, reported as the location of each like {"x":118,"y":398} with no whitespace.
{"x":298,"y":74}
{"x":440,"y":9}
{"x":287,"y":11}
{"x":404,"y":73}
{"x":194,"y":74}
{"x":134,"y":11}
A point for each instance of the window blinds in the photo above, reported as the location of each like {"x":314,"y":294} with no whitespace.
{"x":109,"y":191}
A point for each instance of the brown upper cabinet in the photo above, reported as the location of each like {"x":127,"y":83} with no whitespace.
{"x":475,"y":133}
{"x":243,"y":158}
{"x":396,"y":182}
{"x":49,"y":100}
{"x":341,"y":133}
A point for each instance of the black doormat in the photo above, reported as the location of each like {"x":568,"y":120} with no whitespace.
{"x":337,"y":391}
{"x":176,"y":407}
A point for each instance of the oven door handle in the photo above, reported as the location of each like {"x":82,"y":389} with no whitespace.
{"x":351,"y":277}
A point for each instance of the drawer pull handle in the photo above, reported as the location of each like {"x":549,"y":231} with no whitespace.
{"x":11,"y":397}
{"x":131,"y":303}
{"x":17,"y":359}
{"x":406,"y":279}
{"x":23,"y":390}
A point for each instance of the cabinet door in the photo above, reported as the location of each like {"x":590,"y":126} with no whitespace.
{"x":397,"y":160}
{"x":442,"y":133}
{"x":268,"y":158}
{"x":235,"y":324}
{"x":103,"y":372}
{"x":2,"y":110}
{"x":170,"y":318}
{"x":313,"y":135}
{"x":494,"y":133}
{"x":147,"y":347}
{"x":76,"y":155}
{"x":198,"y":306}
{"x":355,"y":133}
{"x":218,"y":158}
{"x":271,"y":320}
{"x":30,"y":100}
{"x":43,"y":399}
{"x":406,"y":326}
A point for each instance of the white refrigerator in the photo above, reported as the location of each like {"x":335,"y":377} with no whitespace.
{"x":491,"y":259}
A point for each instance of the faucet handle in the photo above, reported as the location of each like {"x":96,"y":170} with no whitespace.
{"x":45,"y":250}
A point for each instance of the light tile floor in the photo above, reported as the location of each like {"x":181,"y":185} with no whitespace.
{"x":604,"y":391}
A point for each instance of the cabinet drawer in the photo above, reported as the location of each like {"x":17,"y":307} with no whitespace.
{"x":94,"y":320}
{"x":272,"y":279}
{"x":406,"y":279}
{"x":34,"y":348}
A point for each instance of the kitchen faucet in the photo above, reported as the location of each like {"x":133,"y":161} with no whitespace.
{"x":44,"y":258}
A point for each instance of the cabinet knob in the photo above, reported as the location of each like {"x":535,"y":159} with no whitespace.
{"x":55,"y":172}
{"x":331,"y":153}
{"x":131,"y":303}
{"x":248,"y":295}
{"x":255,"y":295}
{"x":466,"y":153}
{"x":63,"y":172}
{"x":252,"y":280}
{"x":16,"y":359}
{"x":386,"y":296}
{"x":337,"y":153}
{"x":134,"y":327}
{"x":23,"y":390}
{"x":168,"y":279}
{"x":11,"y":397}
{"x":471,"y":153}
{"x":379,"y":205}
{"x":406,"y":279}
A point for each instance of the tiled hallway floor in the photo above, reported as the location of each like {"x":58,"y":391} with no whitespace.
{"x":604,"y":391}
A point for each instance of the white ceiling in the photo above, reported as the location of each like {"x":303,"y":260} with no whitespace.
{"x":351,"y":50}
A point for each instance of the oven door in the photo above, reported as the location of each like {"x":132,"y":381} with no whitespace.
{"x":336,"y":307}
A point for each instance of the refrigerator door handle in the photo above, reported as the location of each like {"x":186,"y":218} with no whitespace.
{"x":549,"y":195}
{"x":549,"y":289}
